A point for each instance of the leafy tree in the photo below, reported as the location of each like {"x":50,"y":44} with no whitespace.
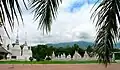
{"x":116,"y":50}
{"x":72,"y":52}
{"x":61,"y":51}
{"x":42,"y":52}
{"x":117,"y":55}
{"x":76,"y":47}
{"x":81,"y":52}
{"x":56,"y":53}
{"x":50,"y":50}
{"x":89,"y":50}
{"x":33,"y":48}
{"x":67,"y":50}
{"x":38,"y":58}
{"x":39,"y":52}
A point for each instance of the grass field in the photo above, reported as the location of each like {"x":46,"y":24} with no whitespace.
{"x":49,"y":62}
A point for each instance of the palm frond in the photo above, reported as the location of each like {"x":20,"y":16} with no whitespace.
{"x":9,"y":11}
{"x":45,"y":11}
{"x":108,"y":19}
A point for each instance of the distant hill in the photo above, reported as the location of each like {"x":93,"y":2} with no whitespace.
{"x":83,"y":44}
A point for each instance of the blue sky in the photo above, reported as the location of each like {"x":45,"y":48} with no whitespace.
{"x":77,"y":4}
{"x":72,"y":24}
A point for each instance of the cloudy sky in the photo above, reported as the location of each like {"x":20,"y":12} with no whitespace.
{"x":72,"y":24}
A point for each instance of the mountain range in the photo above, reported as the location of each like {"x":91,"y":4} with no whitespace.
{"x":82,"y":44}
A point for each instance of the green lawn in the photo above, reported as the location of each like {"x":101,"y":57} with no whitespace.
{"x":48,"y":62}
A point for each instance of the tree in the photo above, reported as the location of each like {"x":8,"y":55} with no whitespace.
{"x":108,"y":19}
{"x":56,"y":52}
{"x":50,"y":51}
{"x":72,"y":52}
{"x":81,"y":52}
{"x":39,"y":52}
{"x":42,"y":51}
{"x":61,"y":51}
{"x":33,"y":49}
{"x":67,"y":50}
{"x":76,"y":47}
{"x":89,"y":51}
{"x":116,"y":50}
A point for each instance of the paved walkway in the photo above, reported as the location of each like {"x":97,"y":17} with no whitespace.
{"x":59,"y":67}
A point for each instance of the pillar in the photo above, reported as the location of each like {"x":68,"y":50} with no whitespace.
{"x":113,"y":57}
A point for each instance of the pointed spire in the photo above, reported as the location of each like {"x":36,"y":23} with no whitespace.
{"x":17,"y":39}
{"x":25,"y":44}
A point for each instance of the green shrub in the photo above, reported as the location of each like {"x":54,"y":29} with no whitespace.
{"x":117,"y":56}
{"x":37,"y":58}
{"x":48,"y":58}
{"x":1,"y":57}
{"x":31,"y":59}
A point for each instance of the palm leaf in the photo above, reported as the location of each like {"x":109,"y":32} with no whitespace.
{"x":108,"y":19}
{"x":9,"y":11}
{"x":45,"y":11}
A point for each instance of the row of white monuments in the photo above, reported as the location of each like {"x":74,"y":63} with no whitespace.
{"x":76,"y":56}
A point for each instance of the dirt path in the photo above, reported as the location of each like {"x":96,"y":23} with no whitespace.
{"x":59,"y":67}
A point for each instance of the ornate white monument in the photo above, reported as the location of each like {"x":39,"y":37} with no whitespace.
{"x":15,"y":48}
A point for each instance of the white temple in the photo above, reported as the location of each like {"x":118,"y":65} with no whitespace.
{"x":18,"y":52}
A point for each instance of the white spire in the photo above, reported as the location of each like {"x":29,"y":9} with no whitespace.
{"x":25,"y":39}
{"x":17,"y":38}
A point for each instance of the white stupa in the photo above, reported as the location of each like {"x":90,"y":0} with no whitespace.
{"x":86,"y":56}
{"x":69,"y":57}
{"x":63,"y":56}
{"x":76,"y":56}
{"x":53,"y":55}
{"x":16,"y":50}
{"x":27,"y":53}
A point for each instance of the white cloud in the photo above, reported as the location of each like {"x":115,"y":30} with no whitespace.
{"x":67,"y":27}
